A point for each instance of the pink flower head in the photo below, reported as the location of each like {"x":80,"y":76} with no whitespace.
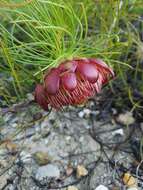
{"x":72,"y":83}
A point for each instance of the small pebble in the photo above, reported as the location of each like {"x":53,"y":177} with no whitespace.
{"x":44,"y":124}
{"x":42,"y":158}
{"x":81,"y":139}
{"x":45,"y":132}
{"x":14,"y":124}
{"x":3,"y":163}
{"x":132,"y":188}
{"x":129,"y":180}
{"x":72,"y":188}
{"x":88,"y":126}
{"x":126,"y":118}
{"x":68,"y":138}
{"x":3,"y":180}
{"x":30,"y":96}
{"x":11,"y":147}
{"x":46,"y":141}
{"x":49,"y":170}
{"x":81,"y":114}
{"x":118,"y":132}
{"x":87,"y":112}
{"x":81,"y":171}
{"x":69,"y":171}
{"x":37,"y":116}
{"x":36,"y":137}
{"x":114,"y":111}
{"x":25,"y":157}
{"x":101,"y":187}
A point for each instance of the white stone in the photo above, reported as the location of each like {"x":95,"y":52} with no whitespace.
{"x":46,"y":141}
{"x":14,"y":125}
{"x":88,"y":126}
{"x":118,"y":132}
{"x":126,"y":118}
{"x":101,"y":187}
{"x":84,"y":112}
{"x":68,"y":138}
{"x":30,"y":96}
{"x":25,"y":156}
{"x":81,"y":114}
{"x":72,"y":188}
{"x":81,"y":171}
{"x":114,"y":111}
{"x":38,"y":129}
{"x":87,"y":111}
{"x":132,"y":188}
{"x":49,"y":170}
{"x":81,"y":139}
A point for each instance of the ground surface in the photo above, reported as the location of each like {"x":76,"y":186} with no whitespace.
{"x":69,"y":149}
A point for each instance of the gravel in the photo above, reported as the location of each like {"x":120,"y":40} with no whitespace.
{"x":71,"y":137}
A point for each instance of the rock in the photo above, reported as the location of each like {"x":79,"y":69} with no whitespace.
{"x":72,"y":188}
{"x":3,"y":163}
{"x":92,"y":145}
{"x":81,"y":139}
{"x":85,"y":112}
{"x":11,"y":147}
{"x":30,"y":96}
{"x":129,"y":180}
{"x":118,"y":132}
{"x":42,"y":158}
{"x":132,"y":188}
{"x":95,"y":113}
{"x":3,"y":180}
{"x":101,"y":187}
{"x":3,"y":152}
{"x":49,"y":171}
{"x":81,"y":114}
{"x":81,"y":171}
{"x":46,"y":141}
{"x":37,"y":116}
{"x":69,"y":144}
{"x":8,"y":117}
{"x":45,"y":124}
{"x":114,"y":111}
{"x":118,"y":135}
{"x":14,"y":125}
{"x":88,"y":126}
{"x":45,"y":132}
{"x":68,"y":138}
{"x":115,"y":188}
{"x":126,"y":118}
{"x":36,"y":137}
{"x":25,"y":157}
{"x":69,"y":171}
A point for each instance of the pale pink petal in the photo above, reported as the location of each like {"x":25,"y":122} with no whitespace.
{"x":52,"y":81}
{"x":88,"y":70}
{"x":69,"y":81}
{"x":40,"y":97}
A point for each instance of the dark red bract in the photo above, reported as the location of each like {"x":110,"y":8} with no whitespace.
{"x":72,"y":83}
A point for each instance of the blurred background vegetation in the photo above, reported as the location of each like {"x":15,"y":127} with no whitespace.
{"x":38,"y":34}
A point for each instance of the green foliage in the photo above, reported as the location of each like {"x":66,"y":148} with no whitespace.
{"x":39,"y":34}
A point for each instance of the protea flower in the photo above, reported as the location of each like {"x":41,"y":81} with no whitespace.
{"x":72,"y":82}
